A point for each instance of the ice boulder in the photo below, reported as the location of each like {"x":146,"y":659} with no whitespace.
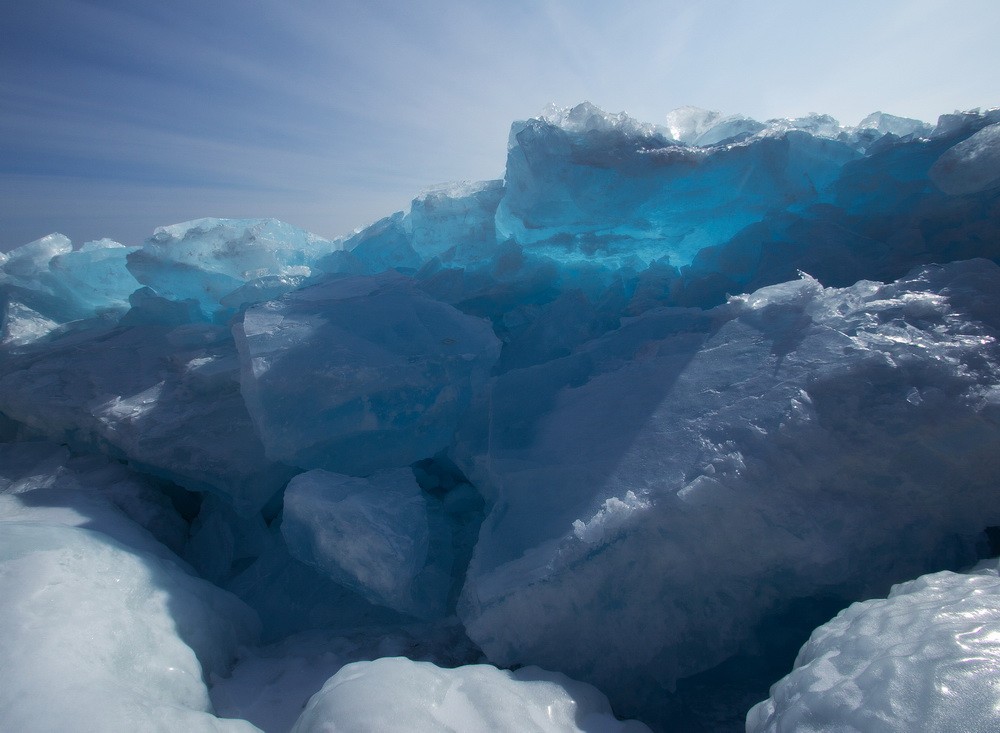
{"x":659,"y":492}
{"x":271,"y":685}
{"x":972,"y":165}
{"x":898,"y":126}
{"x":395,"y":694}
{"x":207,"y":259}
{"x":925,"y":658}
{"x":456,"y":223}
{"x":96,"y":637}
{"x":370,"y":534}
{"x":166,"y":398}
{"x":360,"y":373}
{"x":385,"y":245}
{"x":26,"y":263}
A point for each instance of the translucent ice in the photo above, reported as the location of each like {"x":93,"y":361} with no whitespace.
{"x":360,"y":373}
{"x":206,"y":259}
{"x":899,"y":126}
{"x":695,"y":126}
{"x":456,"y":223}
{"x":472,"y":698}
{"x":972,"y":165}
{"x":370,"y":534}
{"x":619,"y":191}
{"x":925,"y":658}
{"x":47,"y":283}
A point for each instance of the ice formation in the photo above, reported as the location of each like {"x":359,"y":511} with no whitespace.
{"x":474,"y":698}
{"x":103,"y":628}
{"x":925,"y":658}
{"x":644,"y":412}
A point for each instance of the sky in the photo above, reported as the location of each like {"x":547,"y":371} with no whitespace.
{"x":120,"y":116}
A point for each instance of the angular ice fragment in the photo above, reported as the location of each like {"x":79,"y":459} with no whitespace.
{"x":22,"y":325}
{"x":970,"y":166}
{"x":925,"y":658}
{"x":703,"y":468}
{"x":384,"y":245}
{"x":588,"y":118}
{"x":360,"y":373}
{"x":899,"y":126}
{"x":818,"y":125}
{"x":701,"y":127}
{"x":206,"y":259}
{"x":687,"y":124}
{"x":370,"y":534}
{"x":25,"y":263}
{"x":166,"y":398}
{"x":456,"y":222}
{"x":95,"y":276}
{"x":427,"y":698}
{"x":46,"y":283}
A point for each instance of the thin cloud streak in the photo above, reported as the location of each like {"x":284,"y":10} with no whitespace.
{"x":330,"y":114}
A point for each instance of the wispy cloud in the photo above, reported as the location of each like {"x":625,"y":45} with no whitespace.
{"x":331,"y":113}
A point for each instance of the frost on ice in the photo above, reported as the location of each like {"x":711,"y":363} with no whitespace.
{"x":642,"y":412}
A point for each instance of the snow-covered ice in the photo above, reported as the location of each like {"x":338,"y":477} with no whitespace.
{"x":479,"y":698}
{"x":925,"y":658}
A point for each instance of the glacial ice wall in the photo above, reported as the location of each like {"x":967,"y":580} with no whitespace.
{"x":621,"y":414}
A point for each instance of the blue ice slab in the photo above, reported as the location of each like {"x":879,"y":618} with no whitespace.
{"x":610,"y":193}
{"x":360,"y":373}
{"x":372,"y":535}
{"x":207,"y":259}
{"x":455,"y":223}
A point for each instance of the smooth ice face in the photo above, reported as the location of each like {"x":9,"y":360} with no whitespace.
{"x":925,"y":658}
{"x":370,"y":534}
{"x":384,"y":245}
{"x":360,"y":373}
{"x":456,"y":223}
{"x":426,"y":698}
{"x":703,"y":468}
{"x":970,"y":166}
{"x":101,"y":627}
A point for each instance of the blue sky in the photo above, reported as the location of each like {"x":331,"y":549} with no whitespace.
{"x":117,"y":117}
